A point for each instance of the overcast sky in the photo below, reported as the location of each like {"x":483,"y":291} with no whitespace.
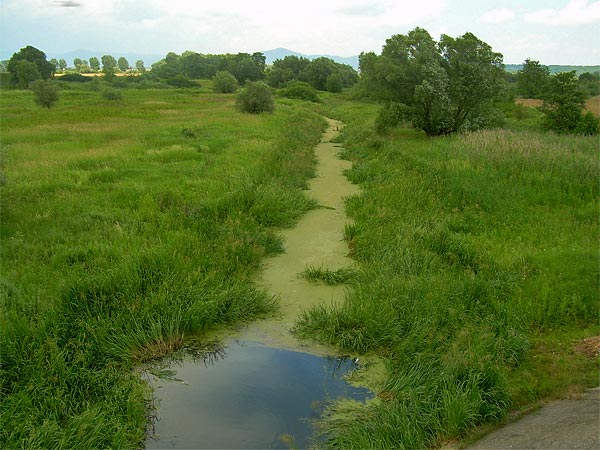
{"x":551,"y":31}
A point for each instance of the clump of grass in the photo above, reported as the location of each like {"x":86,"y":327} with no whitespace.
{"x":328,"y":276}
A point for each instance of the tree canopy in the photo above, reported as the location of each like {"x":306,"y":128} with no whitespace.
{"x":44,"y":68}
{"x":440,"y":87}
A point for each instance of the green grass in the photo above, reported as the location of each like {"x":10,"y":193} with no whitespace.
{"x":477,"y":275}
{"x":124,"y":227}
{"x":328,"y":276}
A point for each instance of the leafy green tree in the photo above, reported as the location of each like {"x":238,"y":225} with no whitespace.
{"x":255,"y":98}
{"x":62,"y":65}
{"x":33,"y":55}
{"x":54,"y":63}
{"x":77,"y":63}
{"x":139,"y":65}
{"x":563,"y":105}
{"x":443,"y":86}
{"x":286,"y":70}
{"x":224,"y":83}
{"x":109,"y":64}
{"x":94,"y":64}
{"x":26,"y":73}
{"x":532,"y":79}
{"x":46,"y":93}
{"x":590,"y":82}
{"x":123,"y":64}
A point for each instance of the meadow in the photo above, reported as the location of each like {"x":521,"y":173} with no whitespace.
{"x":477,"y":277}
{"x":126,"y":226}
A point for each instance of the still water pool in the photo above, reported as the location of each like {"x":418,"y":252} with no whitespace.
{"x":245,"y":396}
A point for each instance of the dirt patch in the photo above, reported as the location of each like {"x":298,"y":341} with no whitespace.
{"x":591,"y":104}
{"x":589,"y":347}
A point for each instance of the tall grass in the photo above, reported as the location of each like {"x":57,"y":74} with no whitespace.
{"x":473,"y":250}
{"x":121,"y":232}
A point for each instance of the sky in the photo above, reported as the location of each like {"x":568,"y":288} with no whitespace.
{"x":549,"y":31}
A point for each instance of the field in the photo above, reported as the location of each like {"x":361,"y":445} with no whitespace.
{"x":592,"y":104}
{"x":128,"y":225}
{"x":125,"y":226}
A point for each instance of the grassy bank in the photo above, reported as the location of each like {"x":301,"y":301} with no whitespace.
{"x":478,"y":258}
{"x":124,"y":226}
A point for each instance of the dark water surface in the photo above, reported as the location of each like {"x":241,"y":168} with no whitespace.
{"x":245,"y":396}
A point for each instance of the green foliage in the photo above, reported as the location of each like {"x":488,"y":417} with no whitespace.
{"x":255,"y":97}
{"x":139,"y":65}
{"x":563,"y":105}
{"x":532,"y":79}
{"x":46,"y":93}
{"x":141,"y":235}
{"x":328,"y":276}
{"x":225,"y":83}
{"x":590,"y":82}
{"x":301,"y":91}
{"x":111,"y":94}
{"x":74,"y":77}
{"x":33,"y":55}
{"x":109,"y":65}
{"x":94,"y":64}
{"x":123,"y":64}
{"x":459,"y":271}
{"x":26,"y":73}
{"x":287,"y":70}
{"x":180,"y":81}
{"x":443,"y":85}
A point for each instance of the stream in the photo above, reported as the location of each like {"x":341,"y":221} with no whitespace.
{"x":263,"y":386}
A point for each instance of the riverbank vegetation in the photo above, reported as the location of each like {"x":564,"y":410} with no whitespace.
{"x":477,"y":276}
{"x":125,"y":226}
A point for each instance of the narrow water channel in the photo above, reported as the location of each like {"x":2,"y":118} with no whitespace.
{"x":264,"y":388}
{"x":246,"y":396}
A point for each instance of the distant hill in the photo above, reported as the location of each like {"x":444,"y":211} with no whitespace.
{"x":556,"y":68}
{"x":280,"y":53}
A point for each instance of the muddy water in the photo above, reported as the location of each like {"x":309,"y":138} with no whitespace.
{"x":317,"y":240}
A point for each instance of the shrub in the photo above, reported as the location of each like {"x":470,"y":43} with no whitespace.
{"x":391,"y":115}
{"x":301,"y":91}
{"x":75,"y":77}
{"x":588,"y":125}
{"x":224,"y":83}
{"x":111,"y":94}
{"x":180,"y":81}
{"x":255,"y":98}
{"x":46,"y":93}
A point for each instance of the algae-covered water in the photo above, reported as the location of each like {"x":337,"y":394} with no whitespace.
{"x":246,"y":396}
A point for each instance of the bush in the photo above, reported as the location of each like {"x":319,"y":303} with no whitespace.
{"x":588,"y":125}
{"x":255,"y":98}
{"x":46,"y":93}
{"x":180,"y":81}
{"x":391,"y":115}
{"x":111,"y":94}
{"x":74,"y":77}
{"x":301,"y":91}
{"x":224,"y":83}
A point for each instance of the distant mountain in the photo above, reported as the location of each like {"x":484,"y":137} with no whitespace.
{"x":280,"y":53}
{"x":556,"y":68}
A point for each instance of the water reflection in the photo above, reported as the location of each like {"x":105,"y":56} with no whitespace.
{"x":244,"y":396}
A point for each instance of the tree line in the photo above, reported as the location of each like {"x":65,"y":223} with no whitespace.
{"x":440,"y":87}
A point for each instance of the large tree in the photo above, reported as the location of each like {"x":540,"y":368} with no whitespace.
{"x":123,"y":64}
{"x":532,"y":79}
{"x":439,"y":87}
{"x":33,"y":55}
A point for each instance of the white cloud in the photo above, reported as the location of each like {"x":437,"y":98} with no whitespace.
{"x":498,"y":16}
{"x":576,"y":12}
